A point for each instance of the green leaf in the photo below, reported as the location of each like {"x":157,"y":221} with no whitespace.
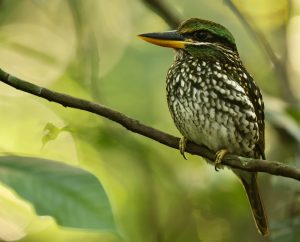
{"x":73,"y":196}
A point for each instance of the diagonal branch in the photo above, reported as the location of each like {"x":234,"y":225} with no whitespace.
{"x":248,"y":164}
{"x":279,"y":66}
{"x":163,"y":11}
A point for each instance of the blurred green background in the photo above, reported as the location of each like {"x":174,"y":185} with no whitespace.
{"x":89,"y":49}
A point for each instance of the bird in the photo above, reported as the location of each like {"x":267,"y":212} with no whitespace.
{"x":213,"y":100}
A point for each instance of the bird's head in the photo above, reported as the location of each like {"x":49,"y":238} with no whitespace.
{"x":195,"y":36}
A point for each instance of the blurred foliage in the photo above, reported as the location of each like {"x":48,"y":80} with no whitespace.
{"x":89,"y":49}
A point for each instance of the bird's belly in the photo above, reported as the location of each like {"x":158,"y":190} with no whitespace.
{"x":210,"y":108}
{"x":205,"y":125}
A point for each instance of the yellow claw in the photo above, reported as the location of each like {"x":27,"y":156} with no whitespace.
{"x":182,"y":146}
{"x":219,"y":156}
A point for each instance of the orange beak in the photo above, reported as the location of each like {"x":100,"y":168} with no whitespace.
{"x":171,"y":39}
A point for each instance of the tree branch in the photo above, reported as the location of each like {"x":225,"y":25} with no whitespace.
{"x":279,"y":66}
{"x":248,"y":164}
{"x":163,"y":11}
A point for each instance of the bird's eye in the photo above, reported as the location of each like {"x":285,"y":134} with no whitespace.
{"x":202,"y":35}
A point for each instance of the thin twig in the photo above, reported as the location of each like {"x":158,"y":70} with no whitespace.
{"x":279,"y":66}
{"x":248,"y":164}
{"x":163,"y":11}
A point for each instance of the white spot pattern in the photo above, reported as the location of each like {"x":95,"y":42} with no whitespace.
{"x":209,"y":107}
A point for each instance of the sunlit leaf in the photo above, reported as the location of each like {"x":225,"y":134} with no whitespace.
{"x":37,"y":46}
{"x":267,"y":14}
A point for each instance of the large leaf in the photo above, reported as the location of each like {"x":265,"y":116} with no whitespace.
{"x":74,"y":197}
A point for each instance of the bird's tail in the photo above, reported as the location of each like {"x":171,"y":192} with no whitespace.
{"x":250,"y":185}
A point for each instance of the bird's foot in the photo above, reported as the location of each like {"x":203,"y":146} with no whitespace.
{"x":219,"y":156}
{"x":182,"y":146}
